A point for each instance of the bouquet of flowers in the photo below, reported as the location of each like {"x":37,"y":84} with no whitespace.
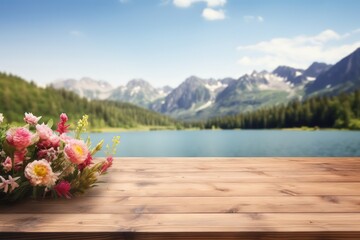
{"x":39,"y":162}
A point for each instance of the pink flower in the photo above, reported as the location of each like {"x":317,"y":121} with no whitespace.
{"x":53,"y":141}
{"x":42,"y":153}
{"x":31,"y":119}
{"x":65,"y":138}
{"x":76,"y":151}
{"x":19,"y":156}
{"x":106,"y":164}
{"x":7,"y":164}
{"x":44,"y":131}
{"x":10,"y":182}
{"x":63,"y":189}
{"x":61,"y":126}
{"x":19,"y":137}
{"x":39,"y":172}
{"x":86,"y":163}
{"x":49,"y":154}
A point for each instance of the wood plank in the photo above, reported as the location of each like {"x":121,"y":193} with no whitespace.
{"x":183,"y":235}
{"x":247,"y":222}
{"x":232,"y":176}
{"x":245,"y":160}
{"x":147,"y":189}
{"x":203,"y":198}
{"x":219,"y":167}
{"x":160,"y":205}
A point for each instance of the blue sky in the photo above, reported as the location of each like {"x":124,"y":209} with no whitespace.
{"x":165,"y":41}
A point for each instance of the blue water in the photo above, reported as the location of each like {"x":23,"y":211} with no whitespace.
{"x":234,"y":143}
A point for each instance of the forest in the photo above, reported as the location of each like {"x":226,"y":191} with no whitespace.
{"x":19,"y":96}
{"x":341,"y":111}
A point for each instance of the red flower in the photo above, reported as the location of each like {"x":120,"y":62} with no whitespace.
{"x":63,"y":189}
{"x":86,"y":163}
{"x":61,"y":126}
{"x":106,"y":165}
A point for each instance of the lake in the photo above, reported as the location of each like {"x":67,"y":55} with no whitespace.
{"x":234,"y":143}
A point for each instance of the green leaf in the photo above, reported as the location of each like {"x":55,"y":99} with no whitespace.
{"x":9,"y":150}
{"x":50,"y":123}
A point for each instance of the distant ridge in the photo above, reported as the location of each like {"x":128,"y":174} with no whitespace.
{"x":199,"y":98}
{"x":19,"y":96}
{"x":344,"y":76}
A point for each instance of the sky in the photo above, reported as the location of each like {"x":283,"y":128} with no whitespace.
{"x":166,"y":41}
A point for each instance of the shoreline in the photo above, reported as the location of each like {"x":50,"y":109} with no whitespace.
{"x":159,"y":128}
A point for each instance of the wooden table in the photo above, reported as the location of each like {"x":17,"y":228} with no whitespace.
{"x":203,"y":198}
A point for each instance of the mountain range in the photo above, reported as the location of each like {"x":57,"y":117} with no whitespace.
{"x":198,"y":98}
{"x":19,"y":96}
{"x":136,"y":91}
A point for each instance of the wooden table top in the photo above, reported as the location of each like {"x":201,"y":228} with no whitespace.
{"x":202,"y":198}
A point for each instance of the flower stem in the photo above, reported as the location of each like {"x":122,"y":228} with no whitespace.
{"x":64,"y":171}
{"x":34,"y":192}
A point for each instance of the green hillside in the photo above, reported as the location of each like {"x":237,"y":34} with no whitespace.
{"x":18,"y":96}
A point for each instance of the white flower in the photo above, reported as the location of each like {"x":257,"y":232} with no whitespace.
{"x":6,"y":183}
{"x":31,"y":119}
{"x":39,"y":172}
{"x":1,"y":118}
{"x":13,"y":183}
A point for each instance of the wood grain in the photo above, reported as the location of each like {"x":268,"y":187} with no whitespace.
{"x":182,"y":235}
{"x":234,"y":176}
{"x":160,"y":205}
{"x":202,"y":198}
{"x":147,"y":189}
{"x":250,"y":222}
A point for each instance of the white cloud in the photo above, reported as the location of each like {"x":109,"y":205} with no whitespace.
{"x":212,"y":14}
{"x":300,"y":51}
{"x":215,"y":3}
{"x":183,"y":3}
{"x":325,"y":36}
{"x":188,"y":3}
{"x":250,"y":18}
{"x":76,"y":33}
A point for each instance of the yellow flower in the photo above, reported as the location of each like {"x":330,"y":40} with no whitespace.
{"x":82,"y":123}
{"x":116,"y":140}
